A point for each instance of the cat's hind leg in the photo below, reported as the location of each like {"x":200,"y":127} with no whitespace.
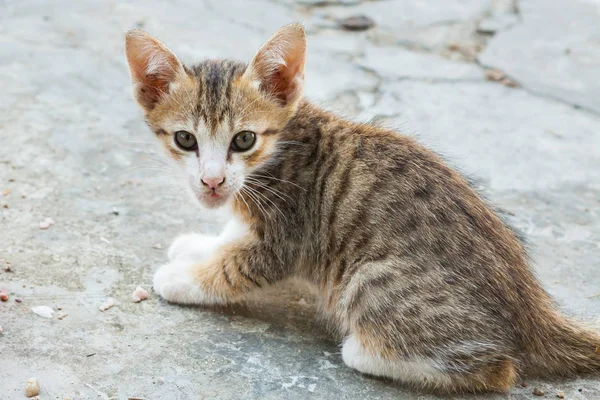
{"x":415,"y":370}
{"x":432,"y":373}
{"x":415,"y":330}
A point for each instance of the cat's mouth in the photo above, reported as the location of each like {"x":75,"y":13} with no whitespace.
{"x":212,"y":199}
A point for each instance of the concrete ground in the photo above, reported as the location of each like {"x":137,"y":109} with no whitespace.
{"x":74,"y":148}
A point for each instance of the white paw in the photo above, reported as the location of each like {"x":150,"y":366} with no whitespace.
{"x":192,"y":246}
{"x":175,"y":282}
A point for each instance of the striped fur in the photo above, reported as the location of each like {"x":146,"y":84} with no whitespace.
{"x":423,"y":280}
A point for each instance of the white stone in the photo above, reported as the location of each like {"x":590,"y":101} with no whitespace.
{"x":32,"y":387}
{"x":43,"y":311}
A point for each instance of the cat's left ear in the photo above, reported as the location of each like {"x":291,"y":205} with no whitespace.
{"x":153,"y":67}
{"x":278,"y":67}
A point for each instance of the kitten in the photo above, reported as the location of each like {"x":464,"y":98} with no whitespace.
{"x":423,"y":281}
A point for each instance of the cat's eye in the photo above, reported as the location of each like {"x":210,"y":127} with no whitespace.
{"x":185,"y":140}
{"x":243,"y":141}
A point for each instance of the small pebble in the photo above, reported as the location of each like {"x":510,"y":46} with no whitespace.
{"x":560,"y":395}
{"x":5,"y":205}
{"x":1,"y":330}
{"x":509,"y":82}
{"x":6,"y":192}
{"x":8,"y":268}
{"x":45,"y":224}
{"x":3,"y":295}
{"x":107,"y":304}
{"x":58,"y":308}
{"x":357,"y":23}
{"x":43,"y":311}
{"x":157,"y":246}
{"x":139,"y":294}
{"x":538,"y":392}
{"x":18,"y":300}
{"x":494,"y":75}
{"x":32,"y":387}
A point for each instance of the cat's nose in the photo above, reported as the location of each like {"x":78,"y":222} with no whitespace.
{"x":213,"y":182}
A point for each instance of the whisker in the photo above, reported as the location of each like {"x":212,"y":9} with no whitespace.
{"x":270,"y":201}
{"x":277,"y":179}
{"x":270,"y":189}
{"x":259,"y":204}
{"x":255,"y":201}
{"x":242,"y":197}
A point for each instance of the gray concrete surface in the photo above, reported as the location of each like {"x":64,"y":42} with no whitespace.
{"x":73,"y":147}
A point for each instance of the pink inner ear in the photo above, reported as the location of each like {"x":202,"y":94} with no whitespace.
{"x":279,"y":64}
{"x":153,"y":67}
{"x":279,"y":85}
{"x":150,"y":91}
{"x":158,"y":83}
{"x":281,"y":82}
{"x":154,"y":85}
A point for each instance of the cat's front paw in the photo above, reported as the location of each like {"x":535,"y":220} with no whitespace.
{"x":177,"y":282}
{"x":192,"y":246}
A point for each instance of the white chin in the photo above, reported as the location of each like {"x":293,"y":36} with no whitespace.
{"x":212,"y":202}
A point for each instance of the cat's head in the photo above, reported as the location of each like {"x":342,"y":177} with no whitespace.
{"x":219,"y":120}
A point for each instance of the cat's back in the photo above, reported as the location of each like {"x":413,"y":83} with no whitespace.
{"x":367,"y":146}
{"x":379,"y":192}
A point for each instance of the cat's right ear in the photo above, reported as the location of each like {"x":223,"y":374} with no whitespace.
{"x":152,"y":66}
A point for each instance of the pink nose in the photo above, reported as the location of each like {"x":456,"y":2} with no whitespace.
{"x":213,"y":182}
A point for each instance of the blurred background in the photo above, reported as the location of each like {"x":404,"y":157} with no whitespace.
{"x":508,"y":91}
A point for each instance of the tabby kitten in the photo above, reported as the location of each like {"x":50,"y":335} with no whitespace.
{"x":421,"y":278}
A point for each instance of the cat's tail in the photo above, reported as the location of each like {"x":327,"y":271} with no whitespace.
{"x":557,"y":345}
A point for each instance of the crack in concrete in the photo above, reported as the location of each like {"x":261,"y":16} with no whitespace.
{"x":538,"y":94}
{"x":333,"y":3}
{"x":416,"y":47}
